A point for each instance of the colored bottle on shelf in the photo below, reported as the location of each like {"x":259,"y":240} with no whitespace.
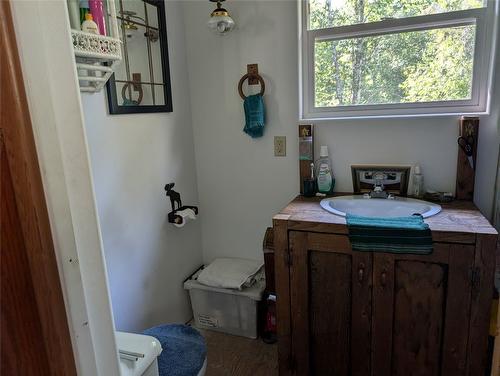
{"x":324,"y":174}
{"x":97,"y":11}
{"x":89,"y":26}
{"x":84,"y":9}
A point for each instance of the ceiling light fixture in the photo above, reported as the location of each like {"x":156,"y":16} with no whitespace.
{"x":220,"y":21}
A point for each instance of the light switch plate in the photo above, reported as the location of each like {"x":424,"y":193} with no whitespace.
{"x":279,"y":146}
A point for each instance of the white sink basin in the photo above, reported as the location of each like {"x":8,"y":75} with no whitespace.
{"x":378,"y":207}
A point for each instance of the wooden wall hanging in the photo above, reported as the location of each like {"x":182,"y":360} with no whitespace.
{"x":467,"y":153}
{"x":306,"y":153}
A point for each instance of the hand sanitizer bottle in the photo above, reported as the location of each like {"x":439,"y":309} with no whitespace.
{"x":324,"y":174}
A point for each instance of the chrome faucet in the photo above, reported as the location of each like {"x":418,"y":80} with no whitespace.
{"x":373,"y":181}
{"x":378,"y":187}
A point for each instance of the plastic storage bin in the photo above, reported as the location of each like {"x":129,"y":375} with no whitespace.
{"x":225,"y":310}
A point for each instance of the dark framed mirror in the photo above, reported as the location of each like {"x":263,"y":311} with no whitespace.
{"x":141,"y":83}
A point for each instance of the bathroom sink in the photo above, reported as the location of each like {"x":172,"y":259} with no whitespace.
{"x":377,"y":207}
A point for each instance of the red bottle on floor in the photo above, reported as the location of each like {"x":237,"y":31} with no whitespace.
{"x":269,"y":334}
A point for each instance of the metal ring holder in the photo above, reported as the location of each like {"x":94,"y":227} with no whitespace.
{"x":139,"y":89}
{"x":261,"y":81}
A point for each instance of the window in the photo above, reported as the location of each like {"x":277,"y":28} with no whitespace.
{"x":395,"y":57}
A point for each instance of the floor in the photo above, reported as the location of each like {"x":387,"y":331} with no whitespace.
{"x":237,"y":356}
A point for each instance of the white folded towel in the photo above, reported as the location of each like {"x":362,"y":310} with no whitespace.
{"x":231,"y":273}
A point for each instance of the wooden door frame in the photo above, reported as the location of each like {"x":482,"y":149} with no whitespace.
{"x":18,"y":138}
{"x":48,"y":66}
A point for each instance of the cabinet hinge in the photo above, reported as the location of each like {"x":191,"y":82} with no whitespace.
{"x":475,"y":278}
{"x":288,"y":257}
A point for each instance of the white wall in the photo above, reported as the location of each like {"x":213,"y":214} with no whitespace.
{"x":133,"y":157}
{"x":47,"y":61}
{"x":239,"y":177}
{"x":489,"y":141}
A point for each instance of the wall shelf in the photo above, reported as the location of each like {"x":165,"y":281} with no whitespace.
{"x":97,"y":55}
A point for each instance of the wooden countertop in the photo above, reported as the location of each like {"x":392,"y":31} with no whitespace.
{"x":457,"y":217}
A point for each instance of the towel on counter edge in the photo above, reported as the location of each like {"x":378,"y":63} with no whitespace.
{"x":254,"y":115}
{"x":395,"y":235}
{"x":231,"y":273}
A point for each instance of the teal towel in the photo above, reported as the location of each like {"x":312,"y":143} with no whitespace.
{"x":395,"y":235}
{"x":254,"y":115}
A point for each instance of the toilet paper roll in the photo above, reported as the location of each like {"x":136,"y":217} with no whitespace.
{"x":186,"y":215}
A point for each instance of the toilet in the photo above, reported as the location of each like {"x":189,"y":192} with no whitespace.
{"x":138,"y":354}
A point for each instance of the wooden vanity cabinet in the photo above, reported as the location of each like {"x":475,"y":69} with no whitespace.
{"x":342,"y":312}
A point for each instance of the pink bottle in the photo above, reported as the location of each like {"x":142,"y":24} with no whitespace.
{"x":97,"y":10}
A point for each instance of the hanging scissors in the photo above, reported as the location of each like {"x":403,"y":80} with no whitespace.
{"x":465,"y":144}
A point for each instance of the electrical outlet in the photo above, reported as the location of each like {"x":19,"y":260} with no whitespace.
{"x":279,"y":146}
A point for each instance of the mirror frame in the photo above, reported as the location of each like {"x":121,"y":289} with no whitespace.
{"x":114,"y":107}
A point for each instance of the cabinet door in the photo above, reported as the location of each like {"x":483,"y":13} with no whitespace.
{"x":330,"y":306}
{"x":421,"y":311}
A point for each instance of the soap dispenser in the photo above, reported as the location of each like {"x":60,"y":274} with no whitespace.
{"x":324,"y":174}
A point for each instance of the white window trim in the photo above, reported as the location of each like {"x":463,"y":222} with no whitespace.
{"x":486,"y":32}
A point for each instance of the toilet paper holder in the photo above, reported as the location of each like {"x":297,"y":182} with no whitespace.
{"x":176,"y":202}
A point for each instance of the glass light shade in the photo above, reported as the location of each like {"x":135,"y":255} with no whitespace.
{"x":221,"y":23}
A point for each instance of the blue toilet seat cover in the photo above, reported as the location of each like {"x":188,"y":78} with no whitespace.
{"x":184,"y":349}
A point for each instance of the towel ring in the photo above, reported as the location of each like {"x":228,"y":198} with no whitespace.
{"x":124,"y":92}
{"x":246,"y":76}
